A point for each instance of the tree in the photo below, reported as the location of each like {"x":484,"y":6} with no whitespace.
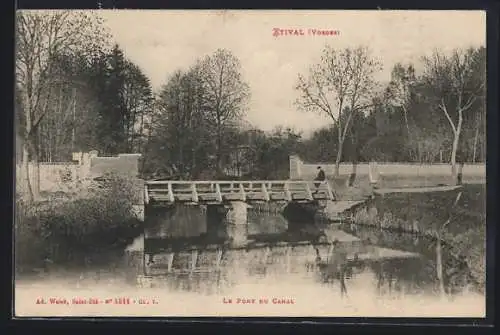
{"x":339,"y":86}
{"x":110,"y":80}
{"x":40,"y":36}
{"x":125,"y":97}
{"x":399,"y":91}
{"x":452,"y":85}
{"x":321,"y":146}
{"x":270,"y":152}
{"x":180,"y":139}
{"x":225,"y":94}
{"x":138,"y":97}
{"x":72,"y":115}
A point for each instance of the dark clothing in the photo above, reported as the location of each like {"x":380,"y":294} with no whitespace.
{"x":320,"y":177}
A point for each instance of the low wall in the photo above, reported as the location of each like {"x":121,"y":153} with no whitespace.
{"x":307,"y":171}
{"x":69,"y":176}
{"x":57,"y":177}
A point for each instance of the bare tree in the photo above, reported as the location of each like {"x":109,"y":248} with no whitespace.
{"x":338,"y":87}
{"x":225,"y":94}
{"x":40,"y":36}
{"x":454,"y":84}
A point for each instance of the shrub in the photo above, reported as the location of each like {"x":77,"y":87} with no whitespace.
{"x":77,"y":230}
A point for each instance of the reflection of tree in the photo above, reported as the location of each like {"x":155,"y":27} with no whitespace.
{"x":335,"y":268}
{"x":398,"y":275}
{"x":456,"y":271}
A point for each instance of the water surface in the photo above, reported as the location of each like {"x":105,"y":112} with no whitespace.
{"x":394,"y":288}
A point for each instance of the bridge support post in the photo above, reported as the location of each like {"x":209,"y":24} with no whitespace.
{"x":228,"y":221}
{"x":236,"y":223}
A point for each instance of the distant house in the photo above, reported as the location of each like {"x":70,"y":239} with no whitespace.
{"x":237,"y":164}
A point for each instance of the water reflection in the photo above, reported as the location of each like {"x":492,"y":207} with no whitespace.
{"x":383,"y":278}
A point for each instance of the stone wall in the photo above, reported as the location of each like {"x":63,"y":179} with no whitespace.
{"x":68,"y":176}
{"x":307,"y":171}
{"x":56,"y":177}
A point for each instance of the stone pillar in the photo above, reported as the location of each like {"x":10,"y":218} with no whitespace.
{"x":228,"y":222}
{"x":295,"y":167}
{"x":236,"y":223}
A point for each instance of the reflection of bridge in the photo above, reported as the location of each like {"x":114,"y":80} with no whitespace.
{"x":218,"y":192}
{"x":227,"y":239}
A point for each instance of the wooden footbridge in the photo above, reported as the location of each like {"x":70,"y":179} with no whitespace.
{"x":218,"y":192}
{"x":227,"y":242}
{"x":227,"y":201}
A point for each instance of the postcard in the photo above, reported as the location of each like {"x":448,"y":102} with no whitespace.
{"x":250,"y":163}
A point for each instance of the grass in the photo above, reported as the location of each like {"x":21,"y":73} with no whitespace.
{"x":362,"y":188}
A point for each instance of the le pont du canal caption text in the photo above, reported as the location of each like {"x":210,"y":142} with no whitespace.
{"x":261,"y":301}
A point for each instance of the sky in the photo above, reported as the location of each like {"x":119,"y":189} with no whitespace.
{"x":160,"y":42}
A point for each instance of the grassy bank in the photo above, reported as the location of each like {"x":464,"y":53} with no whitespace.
{"x":361,"y":186}
{"x":412,"y":219}
{"x":76,"y":232}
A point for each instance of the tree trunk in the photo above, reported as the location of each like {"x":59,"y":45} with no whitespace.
{"x":73,"y":130}
{"x":339,"y":155}
{"x":219,"y":151}
{"x":456,"y":138}
{"x":352,"y":177}
{"x":337,"y":161}
{"x":454,"y":149}
{"x":26,"y":168}
{"x":453,"y":159}
{"x":474,"y":149}
{"x":36,"y":160}
{"x":405,"y":113}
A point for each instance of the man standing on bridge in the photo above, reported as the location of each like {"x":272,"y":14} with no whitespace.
{"x":320,"y":178}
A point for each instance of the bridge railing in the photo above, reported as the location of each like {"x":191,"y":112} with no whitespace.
{"x":218,"y":191}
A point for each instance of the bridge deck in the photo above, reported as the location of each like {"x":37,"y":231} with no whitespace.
{"x":208,"y":192}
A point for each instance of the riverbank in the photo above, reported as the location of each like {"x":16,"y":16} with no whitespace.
{"x":77,"y":232}
{"x":392,"y":218}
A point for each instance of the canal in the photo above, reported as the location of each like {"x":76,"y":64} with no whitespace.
{"x":405,"y":287}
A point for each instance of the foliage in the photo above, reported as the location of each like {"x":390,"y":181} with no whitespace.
{"x":72,"y":231}
{"x":40,"y":37}
{"x":180,"y":141}
{"x":453,"y":85}
{"x":125,"y":97}
{"x":196,"y":119}
{"x":270,"y":152}
{"x":405,"y":123}
{"x":225,"y":94}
